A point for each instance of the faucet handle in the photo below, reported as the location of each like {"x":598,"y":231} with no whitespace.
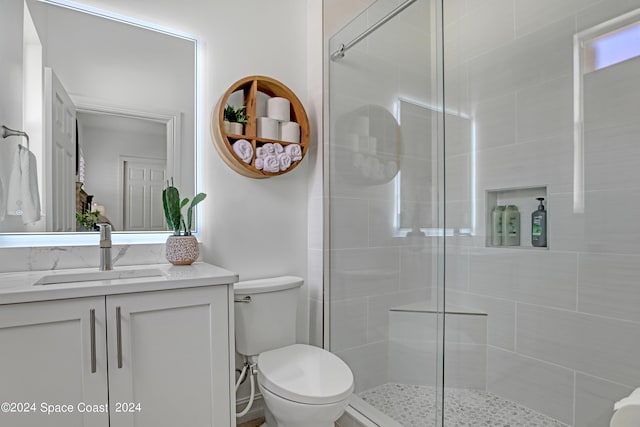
{"x":105,"y":234}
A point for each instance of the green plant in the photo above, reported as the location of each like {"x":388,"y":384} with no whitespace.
{"x":88,"y":219}
{"x":173,"y":209}
{"x":237,"y":115}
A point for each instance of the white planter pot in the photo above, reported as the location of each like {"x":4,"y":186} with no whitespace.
{"x":232,"y":127}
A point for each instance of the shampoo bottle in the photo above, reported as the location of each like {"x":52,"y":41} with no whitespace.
{"x":496,"y":225}
{"x":511,"y":226}
{"x":539,"y":225}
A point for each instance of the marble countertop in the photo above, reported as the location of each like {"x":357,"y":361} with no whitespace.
{"x":19,"y":287}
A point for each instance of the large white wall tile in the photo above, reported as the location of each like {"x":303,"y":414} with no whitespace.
{"x":533,"y":15}
{"x":597,"y":230}
{"x":529,"y":60}
{"x":537,"y":277}
{"x":378,"y":313}
{"x":611,"y":158}
{"x":599,"y":346}
{"x":364,"y":272}
{"x":541,"y":386}
{"x":547,"y":161}
{"x":487,"y":25}
{"x":545,"y":110}
{"x":594,"y":400}
{"x":417,"y":266}
{"x":495,"y":122}
{"x":348,"y":324}
{"x":501,"y":316}
{"x":349,"y":223}
{"x":609,"y":286}
{"x":369,"y":364}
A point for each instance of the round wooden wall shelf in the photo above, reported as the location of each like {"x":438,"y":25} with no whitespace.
{"x":251,"y":86}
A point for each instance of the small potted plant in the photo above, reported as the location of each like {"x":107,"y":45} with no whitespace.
{"x":87,"y":220}
{"x":235,"y":119}
{"x":181,"y":247}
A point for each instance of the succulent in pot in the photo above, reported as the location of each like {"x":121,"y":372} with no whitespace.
{"x":234,"y":119}
{"x":181,"y":247}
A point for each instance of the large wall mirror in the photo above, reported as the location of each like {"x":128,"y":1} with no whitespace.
{"x":109,"y":105}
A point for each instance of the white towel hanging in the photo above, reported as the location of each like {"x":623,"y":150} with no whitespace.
{"x":23,"y":197}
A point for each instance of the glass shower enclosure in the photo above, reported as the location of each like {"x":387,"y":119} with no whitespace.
{"x":450,"y":123}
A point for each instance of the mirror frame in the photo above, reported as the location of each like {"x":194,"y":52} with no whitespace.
{"x":17,"y":240}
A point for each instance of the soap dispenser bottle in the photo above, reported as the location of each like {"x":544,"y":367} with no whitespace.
{"x":539,"y":226}
{"x":511,"y":226}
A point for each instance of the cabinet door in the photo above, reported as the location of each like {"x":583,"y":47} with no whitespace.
{"x":169,"y":358}
{"x":46,"y":355}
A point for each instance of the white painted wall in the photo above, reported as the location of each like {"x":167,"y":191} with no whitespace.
{"x":105,"y":140}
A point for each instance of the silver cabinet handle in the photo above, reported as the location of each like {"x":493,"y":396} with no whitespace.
{"x":246,"y":299}
{"x":92,"y":323}
{"x":119,"y":336}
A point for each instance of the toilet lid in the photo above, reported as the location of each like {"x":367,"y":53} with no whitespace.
{"x":305,"y":374}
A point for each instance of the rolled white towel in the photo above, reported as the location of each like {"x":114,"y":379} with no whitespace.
{"x":285,"y":161}
{"x":260,"y":153}
{"x":271,"y":164}
{"x":259,"y":164}
{"x":269,"y":149}
{"x":278,"y":147}
{"x":294,"y":151}
{"x":23,"y":197}
{"x":244,"y":150}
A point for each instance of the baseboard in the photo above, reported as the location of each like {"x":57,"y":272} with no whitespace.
{"x":256,"y":411}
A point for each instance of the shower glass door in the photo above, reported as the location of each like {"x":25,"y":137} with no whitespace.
{"x":385,"y":228}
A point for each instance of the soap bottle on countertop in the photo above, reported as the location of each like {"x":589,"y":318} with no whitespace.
{"x":539,"y":226}
{"x":496,"y":225}
{"x":511,"y":226}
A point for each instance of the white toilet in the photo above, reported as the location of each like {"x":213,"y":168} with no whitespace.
{"x":302,"y":385}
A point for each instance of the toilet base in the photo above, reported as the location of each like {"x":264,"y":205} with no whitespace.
{"x":294,"y":414}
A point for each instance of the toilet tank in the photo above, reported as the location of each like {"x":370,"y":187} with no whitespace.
{"x":265,"y":313}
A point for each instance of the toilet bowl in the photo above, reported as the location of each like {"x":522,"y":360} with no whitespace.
{"x":302,"y":385}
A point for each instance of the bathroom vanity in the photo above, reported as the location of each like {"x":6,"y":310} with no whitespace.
{"x":146,"y":346}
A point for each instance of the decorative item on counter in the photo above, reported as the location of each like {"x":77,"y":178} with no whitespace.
{"x":244,"y":150}
{"x":511,"y":226}
{"x":182,"y":247}
{"x":235,"y":119}
{"x":496,"y":225}
{"x":539,"y":225}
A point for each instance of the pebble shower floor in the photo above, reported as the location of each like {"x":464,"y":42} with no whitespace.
{"x":414,"y":406}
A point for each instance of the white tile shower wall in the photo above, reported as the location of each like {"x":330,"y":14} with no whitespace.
{"x":562,"y":323}
{"x":413,"y":349}
{"x":371,"y":268}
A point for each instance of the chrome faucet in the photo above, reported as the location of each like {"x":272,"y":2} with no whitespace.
{"x":105,"y":246}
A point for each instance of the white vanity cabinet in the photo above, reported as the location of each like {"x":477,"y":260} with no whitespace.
{"x":146,"y":359}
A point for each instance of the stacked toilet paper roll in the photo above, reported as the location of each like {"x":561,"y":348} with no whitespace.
{"x":278,"y":124}
{"x":279,"y":109}
{"x":268,"y":128}
{"x":290,"y":132}
{"x":627,"y":411}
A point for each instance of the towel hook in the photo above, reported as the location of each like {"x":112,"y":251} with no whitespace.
{"x":6,"y":132}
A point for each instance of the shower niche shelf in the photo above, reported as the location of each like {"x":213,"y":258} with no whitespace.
{"x":249,"y":91}
{"x":525,"y":199}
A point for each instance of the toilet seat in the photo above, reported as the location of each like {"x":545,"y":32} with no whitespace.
{"x":305,"y":374}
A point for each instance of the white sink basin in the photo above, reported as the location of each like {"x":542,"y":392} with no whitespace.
{"x":92,"y":276}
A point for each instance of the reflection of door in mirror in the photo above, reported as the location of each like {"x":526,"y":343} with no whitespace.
{"x":144,"y":180}
{"x":60,"y":154}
